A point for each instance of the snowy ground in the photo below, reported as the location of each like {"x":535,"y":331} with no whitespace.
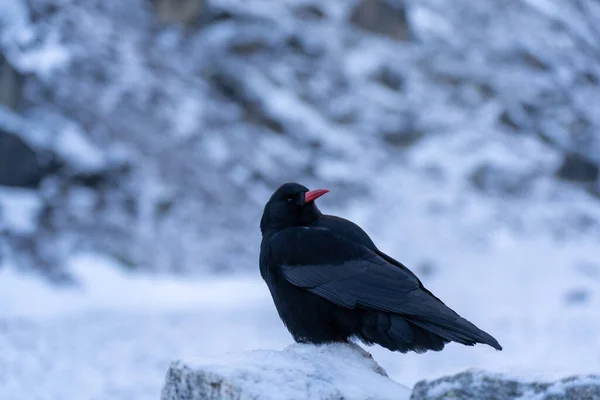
{"x":114,"y":335}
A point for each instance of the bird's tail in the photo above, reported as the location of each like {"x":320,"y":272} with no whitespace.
{"x":395,"y":333}
{"x":458,"y":330}
{"x":409,"y":333}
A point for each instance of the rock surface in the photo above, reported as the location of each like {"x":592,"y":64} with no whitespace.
{"x":19,"y":163}
{"x":337,"y":371}
{"x":11,"y":84}
{"x":578,"y":168}
{"x":383,"y":17}
{"x":483,"y":385}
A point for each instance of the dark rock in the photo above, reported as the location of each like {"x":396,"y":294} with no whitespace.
{"x":390,"y":78}
{"x":185,"y":12}
{"x":590,"y":78}
{"x":234,"y":89}
{"x":494,"y":180}
{"x":533,"y":60}
{"x":19,"y":163}
{"x":384,"y":17}
{"x":11,"y":84}
{"x":309,"y":12}
{"x":594,"y":190}
{"x":295,"y":43}
{"x":578,"y":168}
{"x":508,"y":120}
{"x":577,"y":296}
{"x":530,"y":110}
{"x":247,"y":47}
{"x":403,"y":138}
{"x":481,"y":385}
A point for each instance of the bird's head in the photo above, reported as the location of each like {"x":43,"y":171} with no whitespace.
{"x":291,"y":205}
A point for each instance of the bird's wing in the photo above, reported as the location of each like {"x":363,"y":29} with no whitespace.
{"x":349,"y":274}
{"x":353,"y":276}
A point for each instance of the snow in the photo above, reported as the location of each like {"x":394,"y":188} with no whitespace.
{"x":50,"y":56}
{"x":102,"y":286}
{"x":19,"y":209}
{"x":115,"y":334}
{"x":442,"y":387}
{"x":55,"y":133}
{"x":300,"y":371}
{"x":14,"y":20}
{"x":73,"y":145}
{"x":41,"y":57}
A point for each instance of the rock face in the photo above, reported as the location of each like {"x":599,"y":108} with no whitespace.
{"x":481,"y":385}
{"x":11,"y":84}
{"x":189,"y":95}
{"x":179,"y":11}
{"x":384,"y":17}
{"x":19,"y":163}
{"x":301,"y":371}
{"x":578,"y":168}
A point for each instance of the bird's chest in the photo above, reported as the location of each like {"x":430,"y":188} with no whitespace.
{"x":307,"y":316}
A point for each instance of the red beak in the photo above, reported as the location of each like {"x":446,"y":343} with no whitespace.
{"x":312,"y":195}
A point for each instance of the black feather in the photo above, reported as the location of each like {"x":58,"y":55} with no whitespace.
{"x":329,"y":282}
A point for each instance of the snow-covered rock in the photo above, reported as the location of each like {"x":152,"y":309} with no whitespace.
{"x":301,"y":371}
{"x":482,"y":385}
{"x":346,"y":371}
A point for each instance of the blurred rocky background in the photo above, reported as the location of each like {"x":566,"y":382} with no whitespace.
{"x":150,"y":130}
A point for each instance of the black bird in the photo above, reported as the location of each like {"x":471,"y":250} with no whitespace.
{"x":330,"y":283}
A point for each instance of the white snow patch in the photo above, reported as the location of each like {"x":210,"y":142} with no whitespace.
{"x":14,"y":21}
{"x":73,"y":144}
{"x":45,"y":59}
{"x":190,"y":112}
{"x":19,"y":209}
{"x":104,"y":286}
{"x":216,"y":149}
